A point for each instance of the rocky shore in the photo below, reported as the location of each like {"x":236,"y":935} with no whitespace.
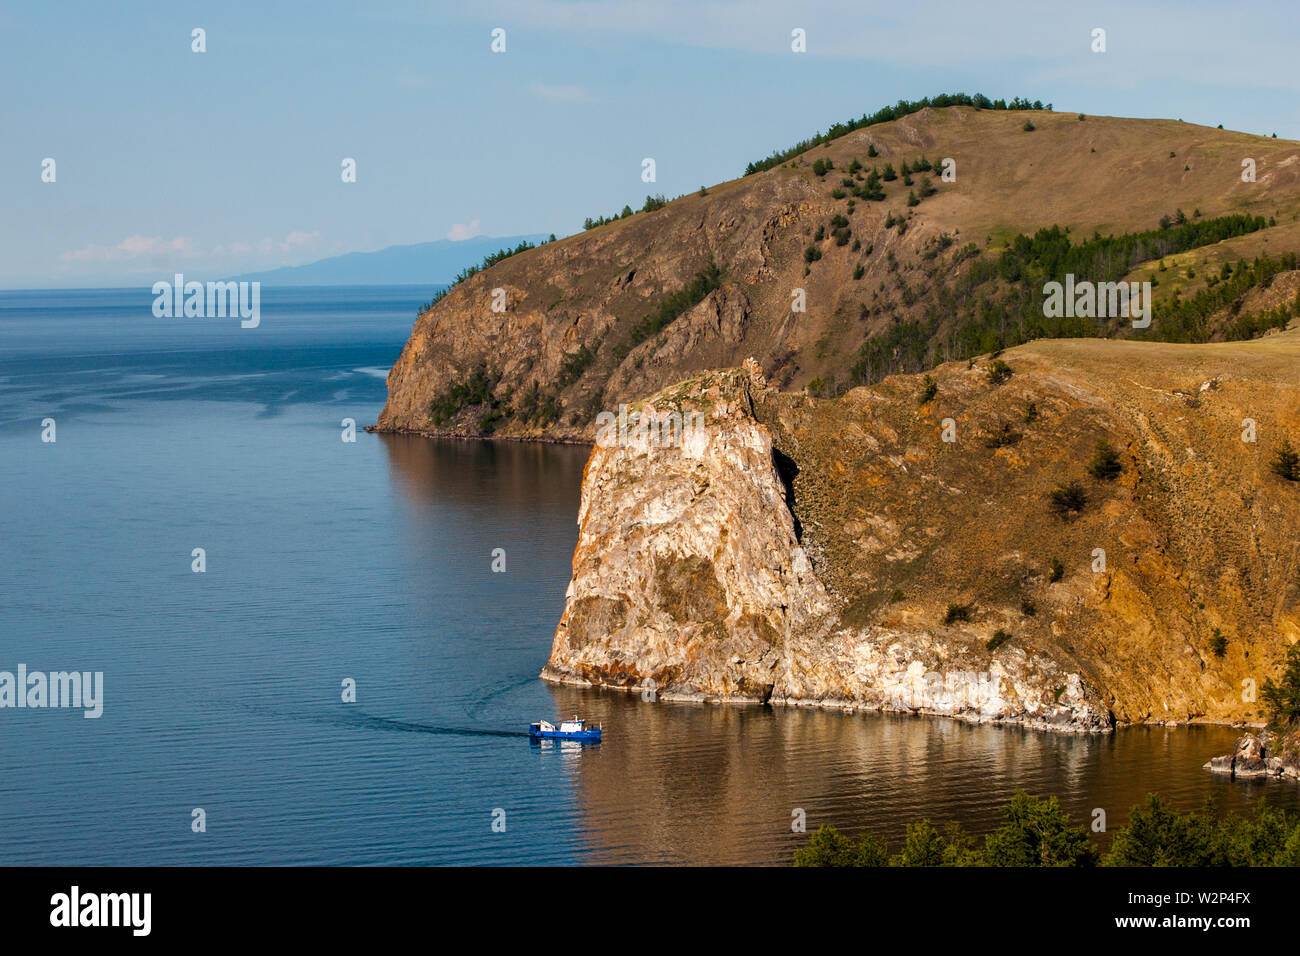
{"x":1265,"y":754}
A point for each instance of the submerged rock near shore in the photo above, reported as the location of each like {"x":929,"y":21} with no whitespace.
{"x":1264,"y":754}
{"x":842,"y":553}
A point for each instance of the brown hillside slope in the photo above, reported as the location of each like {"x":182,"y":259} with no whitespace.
{"x":1106,"y":174}
{"x":864,"y":527}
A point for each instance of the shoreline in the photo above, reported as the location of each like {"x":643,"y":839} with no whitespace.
{"x":376,"y":429}
{"x":1024,"y":722}
{"x":850,"y":708}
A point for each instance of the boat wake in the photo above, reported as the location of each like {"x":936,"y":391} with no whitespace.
{"x":371,"y":722}
{"x":357,"y":720}
{"x":475,"y":709}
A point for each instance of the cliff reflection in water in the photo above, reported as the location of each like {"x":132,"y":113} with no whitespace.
{"x":509,"y":476}
{"x":463,"y":500}
{"x":698,"y":783}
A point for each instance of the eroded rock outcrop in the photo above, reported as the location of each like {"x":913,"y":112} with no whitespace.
{"x":688,"y":576}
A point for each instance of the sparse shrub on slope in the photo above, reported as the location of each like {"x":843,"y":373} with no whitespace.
{"x":675,"y":303}
{"x":997,"y":640}
{"x":1067,"y":501}
{"x":998,"y":372}
{"x":490,"y":259}
{"x":478,"y":388}
{"x":889,"y":113}
{"x":1105,"y":464}
{"x":957,"y":612}
{"x":1286,"y":462}
{"x":1002,"y":436}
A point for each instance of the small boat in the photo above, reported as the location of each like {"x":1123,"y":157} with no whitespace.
{"x":575,"y":729}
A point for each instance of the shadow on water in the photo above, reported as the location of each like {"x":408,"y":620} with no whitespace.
{"x":513,"y":476}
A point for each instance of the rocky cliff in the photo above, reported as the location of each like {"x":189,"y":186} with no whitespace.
{"x":959,"y":549}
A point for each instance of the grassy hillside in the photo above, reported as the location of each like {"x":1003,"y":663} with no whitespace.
{"x":898,"y":274}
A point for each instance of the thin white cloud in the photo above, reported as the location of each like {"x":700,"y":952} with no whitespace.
{"x":298,"y":239}
{"x":154,"y":247}
{"x":132,"y":247}
{"x":464,"y":230}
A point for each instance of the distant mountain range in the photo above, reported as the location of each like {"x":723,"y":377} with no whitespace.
{"x":424,"y":263}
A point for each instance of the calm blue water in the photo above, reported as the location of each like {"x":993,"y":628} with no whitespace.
{"x":371,"y":561}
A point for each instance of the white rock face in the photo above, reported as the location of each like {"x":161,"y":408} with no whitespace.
{"x":882,"y":669}
{"x":687,"y":571}
{"x":689,"y":579}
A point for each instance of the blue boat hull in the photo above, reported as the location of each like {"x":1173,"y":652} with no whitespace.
{"x":588,"y":736}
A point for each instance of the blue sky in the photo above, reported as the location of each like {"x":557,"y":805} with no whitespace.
{"x":229,"y":160}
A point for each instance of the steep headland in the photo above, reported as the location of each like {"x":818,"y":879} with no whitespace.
{"x":841,"y":552}
{"x":858,"y":258}
{"x":917,"y":486}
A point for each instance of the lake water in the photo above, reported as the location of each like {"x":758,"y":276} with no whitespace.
{"x":371,"y":561}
